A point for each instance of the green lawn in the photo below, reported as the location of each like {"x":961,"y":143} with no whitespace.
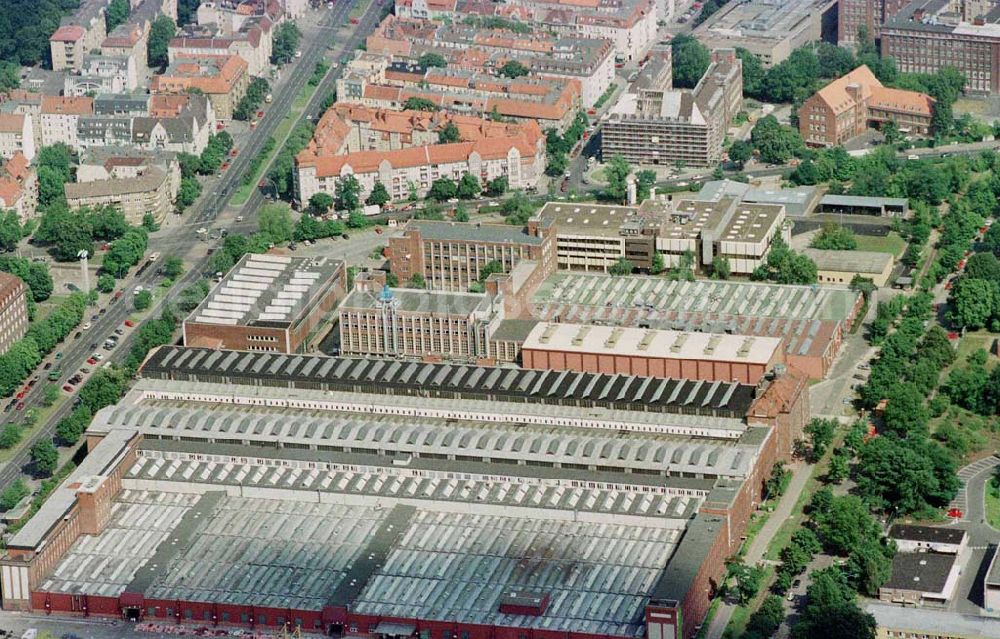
{"x":242,"y":194}
{"x":971,"y":342}
{"x":891,"y":243}
{"x":993,"y":503}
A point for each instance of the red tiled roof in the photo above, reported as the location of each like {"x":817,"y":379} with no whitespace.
{"x":54,"y":104}
{"x":68,"y":33}
{"x":11,"y":123}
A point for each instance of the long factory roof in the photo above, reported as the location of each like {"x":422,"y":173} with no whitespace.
{"x":394,"y":377}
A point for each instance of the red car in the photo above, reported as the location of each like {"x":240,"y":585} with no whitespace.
{"x":22,"y":394}
{"x":225,"y":165}
{"x":354,"y":20}
{"x":20,"y":406}
{"x":260,"y":114}
{"x":129,"y":323}
{"x":68,"y":388}
{"x":91,"y":361}
{"x":234,"y":153}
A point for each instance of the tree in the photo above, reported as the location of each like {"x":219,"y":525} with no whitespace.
{"x":173,"y":267}
{"x":845,"y":525}
{"x":44,"y":457}
{"x":517,"y":208}
{"x":864,"y":285}
{"x":106,"y":223}
{"x":348,"y":194}
{"x":443,"y":189}
{"x":149,"y":223}
{"x":116,"y":14}
{"x":721,"y":270}
{"x":431,"y":59}
{"x":104,"y":388}
{"x":497,"y":186}
{"x":616,"y":172}
{"x":621,"y":267}
{"x":984,"y":266}
{"x":775,"y":142}
{"x":785,"y":266}
{"x":379,"y":196}
{"x":913,"y":476}
{"x":461,"y":213}
{"x":766,"y":620}
{"x":753,"y":72}
{"x":416,"y":281}
{"x":419,"y":104}
{"x":286,"y":42}
{"x":10,"y":436}
{"x":142,"y":300}
{"x":105,"y":283}
{"x":869,"y":566}
{"x":644,"y":182}
{"x":276,"y":223}
{"x":834,"y":237}
{"x":820,"y":432}
{"x":449,"y":134}
{"x":658,"y":264}
{"x":160,"y":33}
{"x":11,"y":231}
{"x":10,"y":76}
{"x":513,"y":69}
{"x":740,"y":152}
{"x":320,"y":203}
{"x":67,"y":233}
{"x":747,"y":580}
{"x":13,"y":494}
{"x":557,"y":164}
{"x":690,"y":60}
{"x":992,"y":238}
{"x":972,"y":302}
{"x":468,"y":187}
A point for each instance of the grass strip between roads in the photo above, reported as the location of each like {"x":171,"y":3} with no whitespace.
{"x":281,"y":132}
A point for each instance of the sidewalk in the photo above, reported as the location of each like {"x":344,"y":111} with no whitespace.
{"x":755,"y":553}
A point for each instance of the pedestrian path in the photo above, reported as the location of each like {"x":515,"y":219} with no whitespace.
{"x":961,"y":499}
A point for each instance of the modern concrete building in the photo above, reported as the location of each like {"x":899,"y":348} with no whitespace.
{"x":812,"y":320}
{"x":13,"y":310}
{"x":927,"y":35}
{"x":769,"y":29}
{"x":860,"y":205}
{"x":856,"y":102}
{"x":17,"y":136}
{"x":840,"y":267}
{"x":650,"y":352}
{"x":595,"y":237}
{"x":450,"y":255}
{"x":912,"y":538}
{"x":364,"y":475}
{"x":415,"y":323}
{"x":927,"y":566}
{"x":103,"y":74}
{"x":798,"y":201}
{"x":657,"y":125}
{"x":269,"y":303}
{"x":147,"y":192}
{"x":901,"y":622}
{"x":224,"y":79}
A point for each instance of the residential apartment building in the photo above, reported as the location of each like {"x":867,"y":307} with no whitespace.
{"x":588,"y":60}
{"x":13,"y":310}
{"x":61,"y":118}
{"x":376,"y":81}
{"x":17,"y":136}
{"x":657,"y":125}
{"x":127,"y":162}
{"x":129,"y":40}
{"x":488,"y":151}
{"x":927,"y":35}
{"x":450,"y":256}
{"x":853,"y":103}
{"x":224,"y":79}
{"x":270,"y":303}
{"x":629,"y":24}
{"x":252,"y":41}
{"x":103,"y":74}
{"x":769,"y":29}
{"x":29,"y":103}
{"x":67,"y":47}
{"x":146,"y":192}
{"x":852,"y":15}
{"x":229,"y":17}
{"x":19,"y":187}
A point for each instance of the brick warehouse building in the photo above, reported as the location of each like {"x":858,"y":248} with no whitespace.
{"x":421,"y":515}
{"x":268,"y":303}
{"x":13,"y":310}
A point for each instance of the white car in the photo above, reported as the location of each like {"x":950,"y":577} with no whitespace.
{"x":86,"y":326}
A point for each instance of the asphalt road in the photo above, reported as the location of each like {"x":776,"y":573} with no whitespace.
{"x":180,"y":240}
